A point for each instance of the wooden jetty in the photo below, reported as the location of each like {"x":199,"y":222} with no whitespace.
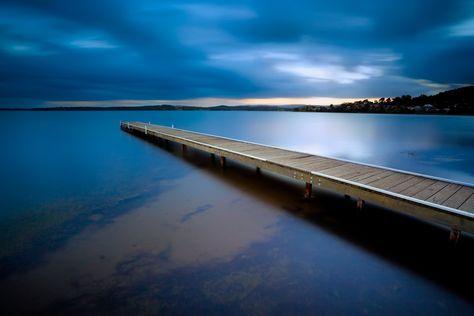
{"x":435,"y":200}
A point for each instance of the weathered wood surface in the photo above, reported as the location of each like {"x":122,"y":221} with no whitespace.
{"x":439,"y":201}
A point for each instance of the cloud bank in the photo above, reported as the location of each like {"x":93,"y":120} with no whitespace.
{"x":89,"y":51}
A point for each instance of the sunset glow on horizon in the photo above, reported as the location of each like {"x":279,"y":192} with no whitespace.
{"x":208,"y":102}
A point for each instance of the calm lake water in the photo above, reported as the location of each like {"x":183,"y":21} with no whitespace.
{"x":97,"y":221}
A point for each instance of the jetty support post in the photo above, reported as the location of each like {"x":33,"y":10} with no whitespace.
{"x":360,"y":204}
{"x":454,"y":235}
{"x":184,"y":149}
{"x":308,"y":190}
{"x":222,"y":160}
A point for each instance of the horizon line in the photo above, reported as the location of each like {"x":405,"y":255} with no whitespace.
{"x":208,"y":102}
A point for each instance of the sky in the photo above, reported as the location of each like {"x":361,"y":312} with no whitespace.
{"x":205,"y":53}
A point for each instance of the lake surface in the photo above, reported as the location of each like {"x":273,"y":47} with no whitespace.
{"x":97,"y":221}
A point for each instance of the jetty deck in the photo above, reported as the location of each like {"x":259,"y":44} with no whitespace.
{"x":435,"y":200}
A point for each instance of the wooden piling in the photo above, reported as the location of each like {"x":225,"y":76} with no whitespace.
{"x":308,"y":190}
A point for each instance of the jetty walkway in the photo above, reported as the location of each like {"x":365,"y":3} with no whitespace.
{"x":438,"y":201}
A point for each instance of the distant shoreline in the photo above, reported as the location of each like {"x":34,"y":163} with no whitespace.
{"x":250,"y":109}
{"x":163,"y":107}
{"x":453,"y":102}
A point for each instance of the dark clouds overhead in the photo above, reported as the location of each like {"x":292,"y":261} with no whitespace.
{"x":132,"y":50}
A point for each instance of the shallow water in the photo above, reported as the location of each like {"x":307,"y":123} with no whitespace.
{"x":95,"y":220}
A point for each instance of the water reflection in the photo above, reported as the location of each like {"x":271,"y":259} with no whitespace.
{"x":243,"y":242}
{"x":440,"y":146}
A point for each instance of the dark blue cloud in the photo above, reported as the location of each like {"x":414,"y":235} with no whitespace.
{"x":107,"y":50}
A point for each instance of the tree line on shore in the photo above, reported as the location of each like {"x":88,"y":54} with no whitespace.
{"x":457,"y":101}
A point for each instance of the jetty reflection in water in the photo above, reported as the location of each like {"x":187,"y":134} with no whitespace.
{"x":240,"y":241}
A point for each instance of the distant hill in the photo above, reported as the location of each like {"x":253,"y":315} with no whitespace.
{"x":161,"y":107}
{"x":457,"y":101}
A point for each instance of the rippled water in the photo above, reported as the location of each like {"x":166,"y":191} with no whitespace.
{"x":94,"y":220}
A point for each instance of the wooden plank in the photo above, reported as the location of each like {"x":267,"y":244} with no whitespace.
{"x":468,"y":205}
{"x":318,"y":167}
{"x":431,"y":190}
{"x":407,"y":184}
{"x":356,"y":172}
{"x":444,"y":194}
{"x":271,"y":153}
{"x":307,"y":161}
{"x":219,"y":142}
{"x":343,"y":169}
{"x":284,"y":156}
{"x":375,"y":177}
{"x":367,"y":174}
{"x":289,"y":160}
{"x":262,"y":149}
{"x":458,"y":198}
{"x":249,"y":150}
{"x":271,"y":156}
{"x":175,"y":132}
{"x":416,"y":188}
{"x":204,"y":139}
{"x":242,"y":147}
{"x":185,"y":135}
{"x":391,"y":181}
{"x":312,"y":160}
{"x":313,"y":163}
